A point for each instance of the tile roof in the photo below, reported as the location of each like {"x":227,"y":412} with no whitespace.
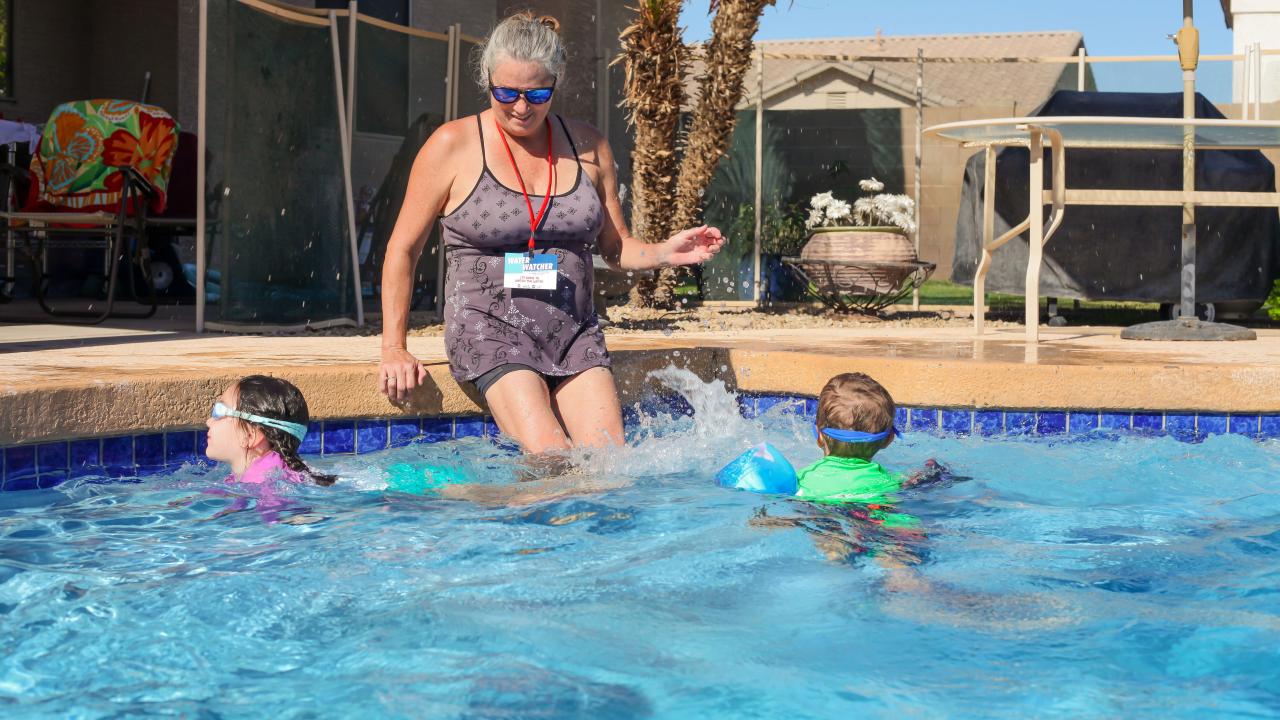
{"x":1027,"y":84}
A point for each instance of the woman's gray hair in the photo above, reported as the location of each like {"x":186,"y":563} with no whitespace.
{"x":524,"y":37}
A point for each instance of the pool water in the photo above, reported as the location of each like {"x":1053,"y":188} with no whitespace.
{"x":1111,"y":576}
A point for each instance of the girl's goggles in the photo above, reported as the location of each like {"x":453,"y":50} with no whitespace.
{"x":220,"y":410}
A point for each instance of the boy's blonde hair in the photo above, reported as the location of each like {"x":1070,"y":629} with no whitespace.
{"x":853,"y":401}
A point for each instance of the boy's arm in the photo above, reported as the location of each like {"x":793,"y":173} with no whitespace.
{"x":932,"y":473}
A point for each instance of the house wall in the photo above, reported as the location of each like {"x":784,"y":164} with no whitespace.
{"x":833,"y":90}
{"x":1256,"y":21}
{"x":51,"y":50}
{"x":76,"y":50}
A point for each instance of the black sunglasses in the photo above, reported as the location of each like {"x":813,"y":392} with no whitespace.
{"x":534,"y":96}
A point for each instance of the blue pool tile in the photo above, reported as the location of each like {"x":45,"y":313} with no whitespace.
{"x":19,"y":462}
{"x":811,"y":408}
{"x":1181,"y":426}
{"x":404,"y":431}
{"x":491,"y":428}
{"x":202,"y":444}
{"x":1148,"y":423}
{"x":923,"y":419}
{"x":988,"y":422}
{"x":901,"y":418}
{"x":468,"y":427}
{"x":339,"y":437}
{"x":746,"y":407}
{"x":180,"y":448}
{"x":148,"y":451}
{"x":957,"y":421}
{"x":52,"y":479}
{"x":311,"y":444}
{"x":51,"y":457}
{"x":1082,"y":422}
{"x":436,"y":429}
{"x":1207,"y":425}
{"x":765,"y":403}
{"x":1019,"y":423}
{"x":1269,"y":427}
{"x":673,"y":405}
{"x":371,"y":435}
{"x":117,"y":455}
{"x":86,"y":456}
{"x":1117,"y":420}
{"x":786,"y":404}
{"x":1051,"y":423}
{"x":1243,"y":425}
{"x":26,"y":482}
{"x":677,"y":405}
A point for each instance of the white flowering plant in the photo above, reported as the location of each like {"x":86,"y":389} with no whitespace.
{"x":877,"y":210}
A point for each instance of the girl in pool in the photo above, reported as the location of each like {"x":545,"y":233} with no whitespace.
{"x":256,"y":426}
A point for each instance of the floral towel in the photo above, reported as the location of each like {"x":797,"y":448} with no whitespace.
{"x":84,"y":143}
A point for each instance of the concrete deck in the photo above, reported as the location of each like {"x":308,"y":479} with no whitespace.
{"x":64,"y":381}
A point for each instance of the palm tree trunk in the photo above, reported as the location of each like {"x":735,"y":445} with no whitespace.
{"x":726,"y":61}
{"x":656,"y":60}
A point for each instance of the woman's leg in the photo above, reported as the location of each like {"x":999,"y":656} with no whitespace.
{"x":521,"y":405}
{"x":587,"y":405}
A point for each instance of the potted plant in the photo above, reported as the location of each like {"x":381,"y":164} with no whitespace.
{"x":865,"y":239}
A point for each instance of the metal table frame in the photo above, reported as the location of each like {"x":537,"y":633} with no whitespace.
{"x":1064,"y":132}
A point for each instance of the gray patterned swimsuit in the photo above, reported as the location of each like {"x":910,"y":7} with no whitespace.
{"x":555,"y":332}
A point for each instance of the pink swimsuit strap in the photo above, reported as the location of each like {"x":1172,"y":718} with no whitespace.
{"x":269,"y":467}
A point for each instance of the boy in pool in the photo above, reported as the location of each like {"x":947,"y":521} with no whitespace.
{"x":854,"y":422}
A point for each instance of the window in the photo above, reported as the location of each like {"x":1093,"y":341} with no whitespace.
{"x":382,"y":66}
{"x":394,"y":11}
{"x":6,"y":48}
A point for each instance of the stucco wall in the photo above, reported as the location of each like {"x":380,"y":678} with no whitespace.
{"x":1256,"y":21}
{"x":75,"y":50}
{"x":51,"y":39}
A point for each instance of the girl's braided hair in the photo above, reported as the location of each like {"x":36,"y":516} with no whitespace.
{"x":280,"y":400}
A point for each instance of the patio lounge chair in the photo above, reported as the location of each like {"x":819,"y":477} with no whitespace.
{"x":102,"y":168}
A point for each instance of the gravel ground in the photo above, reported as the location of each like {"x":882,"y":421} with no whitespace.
{"x":625,"y":319}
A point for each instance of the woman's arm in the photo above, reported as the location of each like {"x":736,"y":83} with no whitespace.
{"x":617,"y":246}
{"x":424,"y":199}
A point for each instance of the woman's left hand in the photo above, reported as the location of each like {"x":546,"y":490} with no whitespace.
{"x":693,"y":246}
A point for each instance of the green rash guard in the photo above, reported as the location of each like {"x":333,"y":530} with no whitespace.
{"x":840,"y":480}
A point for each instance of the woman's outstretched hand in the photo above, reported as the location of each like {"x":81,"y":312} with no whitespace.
{"x":693,"y":246}
{"x":399,"y":373}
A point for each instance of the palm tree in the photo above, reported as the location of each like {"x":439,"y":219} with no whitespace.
{"x":656,"y":62}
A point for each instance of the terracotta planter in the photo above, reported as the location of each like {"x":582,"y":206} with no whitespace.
{"x":871,"y":245}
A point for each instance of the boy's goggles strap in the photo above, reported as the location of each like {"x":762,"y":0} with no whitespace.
{"x":854,"y":436}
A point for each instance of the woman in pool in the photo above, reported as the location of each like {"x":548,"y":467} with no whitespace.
{"x":256,"y":426}
{"x":510,"y":186}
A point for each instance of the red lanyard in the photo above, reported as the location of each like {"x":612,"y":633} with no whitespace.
{"x":551,"y":172}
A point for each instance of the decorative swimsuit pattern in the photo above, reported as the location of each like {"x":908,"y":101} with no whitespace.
{"x":555,"y":332}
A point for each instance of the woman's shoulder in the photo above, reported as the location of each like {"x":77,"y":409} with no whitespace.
{"x":454,"y":137}
{"x":585,"y":135}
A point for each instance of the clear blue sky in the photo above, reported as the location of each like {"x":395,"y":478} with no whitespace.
{"x":1110,"y":27}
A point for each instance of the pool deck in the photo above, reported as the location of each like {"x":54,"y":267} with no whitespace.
{"x":61,"y":382}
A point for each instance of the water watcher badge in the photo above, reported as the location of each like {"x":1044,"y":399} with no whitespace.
{"x":525,"y":271}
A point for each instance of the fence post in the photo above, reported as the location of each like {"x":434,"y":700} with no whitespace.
{"x":202,"y":103}
{"x":1080,"y":69}
{"x":755,"y":293}
{"x":915,"y":293}
{"x":344,"y":140}
{"x":352,"y":23}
